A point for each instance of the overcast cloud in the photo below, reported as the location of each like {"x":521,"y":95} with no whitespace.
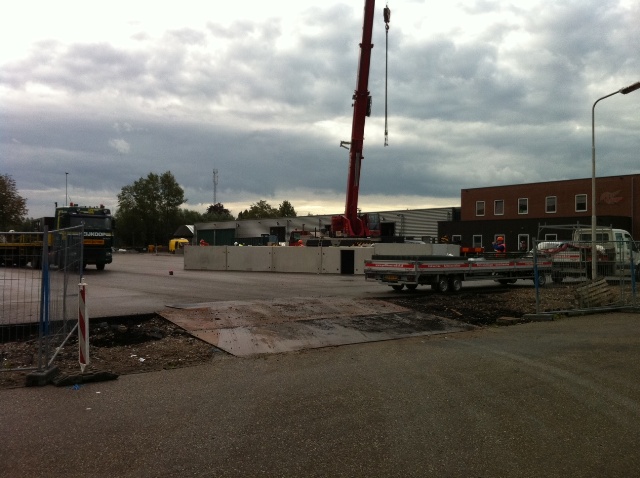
{"x":480,"y":93}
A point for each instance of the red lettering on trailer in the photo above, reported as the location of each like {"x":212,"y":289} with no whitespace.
{"x":389,"y":266}
{"x":443,"y":266}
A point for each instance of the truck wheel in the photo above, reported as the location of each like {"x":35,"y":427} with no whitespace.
{"x":455,"y":284}
{"x":542,"y":280}
{"x":397,"y":287}
{"x":100,"y":266}
{"x":442,"y":285}
{"x":412,"y":286}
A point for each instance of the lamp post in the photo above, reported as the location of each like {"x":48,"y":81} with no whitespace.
{"x":66,"y":189}
{"x":594,"y":255}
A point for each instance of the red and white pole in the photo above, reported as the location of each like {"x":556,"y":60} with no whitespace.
{"x":83,"y":328}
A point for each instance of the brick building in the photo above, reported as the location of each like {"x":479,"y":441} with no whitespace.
{"x":523,"y":212}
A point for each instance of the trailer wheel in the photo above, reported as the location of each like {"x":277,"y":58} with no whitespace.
{"x":542,"y":280}
{"x":455,"y":284}
{"x":442,"y":285}
{"x":397,"y":287}
{"x":100,"y":266}
{"x":557,"y":277}
{"x":412,"y":286}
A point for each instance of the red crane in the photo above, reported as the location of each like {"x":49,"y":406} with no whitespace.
{"x":352,"y":224}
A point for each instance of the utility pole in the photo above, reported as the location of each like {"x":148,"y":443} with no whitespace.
{"x":215,"y":186}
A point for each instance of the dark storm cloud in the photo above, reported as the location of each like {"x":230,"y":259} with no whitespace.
{"x":508,"y":104}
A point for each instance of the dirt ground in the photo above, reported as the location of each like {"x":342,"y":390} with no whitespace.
{"x":134,"y":345}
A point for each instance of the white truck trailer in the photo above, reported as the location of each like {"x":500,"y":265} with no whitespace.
{"x":446,"y":273}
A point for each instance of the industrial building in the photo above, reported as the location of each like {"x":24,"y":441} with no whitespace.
{"x":523,"y":212}
{"x":519,"y":212}
{"x":419,"y":224}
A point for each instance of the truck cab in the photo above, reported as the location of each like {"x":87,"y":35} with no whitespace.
{"x":98,"y":227}
{"x":177,"y":245}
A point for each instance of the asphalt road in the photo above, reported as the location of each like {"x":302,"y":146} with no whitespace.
{"x":141,"y":283}
{"x":549,"y":399}
{"x":137,"y":284}
{"x":553,"y":399}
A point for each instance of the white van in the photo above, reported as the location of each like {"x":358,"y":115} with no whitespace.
{"x":615,"y":248}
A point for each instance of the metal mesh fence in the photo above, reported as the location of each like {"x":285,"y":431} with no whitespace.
{"x":39,"y":280}
{"x":571,"y":285}
{"x":20,"y":281}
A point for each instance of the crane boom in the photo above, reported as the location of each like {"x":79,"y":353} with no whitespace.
{"x":352,"y":224}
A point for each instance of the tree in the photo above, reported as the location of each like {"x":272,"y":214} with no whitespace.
{"x":12,"y":206}
{"x":217,"y":212}
{"x":149,"y":209}
{"x":260,"y":210}
{"x":286,"y":210}
{"x":189,"y":216}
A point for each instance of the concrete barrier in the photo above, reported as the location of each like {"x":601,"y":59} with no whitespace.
{"x":257,"y":259}
{"x":310,"y":260}
{"x":208,"y":258}
{"x":297,"y":259}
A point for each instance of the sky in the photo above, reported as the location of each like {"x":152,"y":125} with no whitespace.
{"x":96,"y":95}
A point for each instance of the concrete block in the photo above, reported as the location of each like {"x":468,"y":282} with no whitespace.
{"x":39,"y":378}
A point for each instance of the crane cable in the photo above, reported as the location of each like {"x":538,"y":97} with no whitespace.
{"x":387,"y":19}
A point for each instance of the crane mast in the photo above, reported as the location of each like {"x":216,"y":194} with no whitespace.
{"x":352,"y":224}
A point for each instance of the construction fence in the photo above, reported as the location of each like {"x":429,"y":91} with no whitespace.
{"x":39,"y":277}
{"x":571,"y":285}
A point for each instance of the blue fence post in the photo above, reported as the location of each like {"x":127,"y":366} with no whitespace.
{"x":45,"y":290}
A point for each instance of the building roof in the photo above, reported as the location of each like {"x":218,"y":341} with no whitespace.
{"x":184,"y":231}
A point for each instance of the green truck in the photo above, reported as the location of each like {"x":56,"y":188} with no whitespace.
{"x":98,"y":231}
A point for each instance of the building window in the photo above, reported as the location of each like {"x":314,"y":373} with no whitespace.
{"x":477,"y":240}
{"x":551,"y":204}
{"x":479,"y":208}
{"x":498,"y":207}
{"x":523,"y":242}
{"x":581,"y":202}
{"x":523,"y":206}
{"x":456,"y":239}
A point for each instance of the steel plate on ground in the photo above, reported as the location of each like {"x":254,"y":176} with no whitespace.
{"x":261,"y":326}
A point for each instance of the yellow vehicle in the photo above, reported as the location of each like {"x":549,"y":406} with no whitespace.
{"x":177,"y":245}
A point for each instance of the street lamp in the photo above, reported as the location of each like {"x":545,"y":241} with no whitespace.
{"x":594,"y":255}
{"x":66,"y":189}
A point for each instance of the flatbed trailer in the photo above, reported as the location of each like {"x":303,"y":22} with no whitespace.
{"x":19,"y":249}
{"x":446,"y":273}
